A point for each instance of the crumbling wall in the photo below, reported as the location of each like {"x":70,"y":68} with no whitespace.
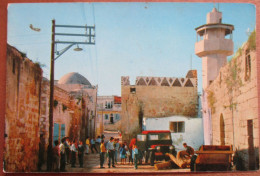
{"x":22,"y":112}
{"x":156,"y":97}
{"x":233,"y":100}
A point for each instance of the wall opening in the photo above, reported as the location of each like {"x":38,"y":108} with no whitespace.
{"x":177,"y":127}
{"x":251,"y":149}
{"x":132,"y":90}
{"x":247,"y":65}
{"x":111,"y":118}
{"x":222,"y":130}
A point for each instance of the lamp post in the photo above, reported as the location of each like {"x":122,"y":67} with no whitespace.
{"x":90,"y":39}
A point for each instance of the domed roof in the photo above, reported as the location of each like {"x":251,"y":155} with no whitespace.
{"x":74,"y":78}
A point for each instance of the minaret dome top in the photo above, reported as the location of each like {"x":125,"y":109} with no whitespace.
{"x":214,"y":16}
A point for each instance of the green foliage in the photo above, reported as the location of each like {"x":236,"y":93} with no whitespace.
{"x":233,"y":81}
{"x":40,"y":64}
{"x":23,"y":54}
{"x":239,"y":51}
{"x":252,"y":41}
{"x":78,"y":100}
{"x":211,"y":101}
{"x":55,"y":103}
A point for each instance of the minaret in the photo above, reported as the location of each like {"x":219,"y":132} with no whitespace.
{"x":214,"y":44}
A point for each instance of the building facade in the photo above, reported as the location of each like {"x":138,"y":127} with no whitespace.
{"x":83,"y":93}
{"x":23,"y":92}
{"x":156,"y":97}
{"x":230,"y":100}
{"x":109,"y":113}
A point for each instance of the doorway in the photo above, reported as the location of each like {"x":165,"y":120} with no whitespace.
{"x":251,"y":149}
{"x":222,"y":130}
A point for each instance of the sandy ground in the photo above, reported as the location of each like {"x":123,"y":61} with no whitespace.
{"x":91,"y":164}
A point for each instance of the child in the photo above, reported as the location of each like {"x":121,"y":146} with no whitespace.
{"x":123,"y":154}
{"x":102,"y":153}
{"x":135,"y":155}
{"x":73,"y":153}
{"x":80,"y":153}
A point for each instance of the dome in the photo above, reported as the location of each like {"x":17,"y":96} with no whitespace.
{"x":74,"y":78}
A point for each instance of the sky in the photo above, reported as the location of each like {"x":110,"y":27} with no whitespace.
{"x":132,"y":39}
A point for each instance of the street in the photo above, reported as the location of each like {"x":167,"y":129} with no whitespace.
{"x":91,"y":164}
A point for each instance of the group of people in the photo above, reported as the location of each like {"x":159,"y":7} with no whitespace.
{"x":111,"y":150}
{"x":65,"y":153}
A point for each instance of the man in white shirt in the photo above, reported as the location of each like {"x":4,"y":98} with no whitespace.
{"x":62,"y":155}
{"x":111,"y":152}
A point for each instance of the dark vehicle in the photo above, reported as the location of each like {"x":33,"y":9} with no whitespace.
{"x":155,"y":144}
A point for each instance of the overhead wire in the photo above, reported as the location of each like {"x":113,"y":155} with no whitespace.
{"x":96,"y":53}
{"x":83,"y":8}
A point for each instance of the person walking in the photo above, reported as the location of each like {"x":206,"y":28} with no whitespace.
{"x":135,"y":155}
{"x":56,"y":156}
{"x":73,"y":153}
{"x":116,"y":145}
{"x":80,"y":153}
{"x":102,"y":153}
{"x":67,"y":150}
{"x":87,"y":145}
{"x":98,"y":142}
{"x":123,"y":154}
{"x":111,"y":152}
{"x":41,"y":153}
{"x":62,"y":155}
{"x":132,"y":143}
{"x":93,"y":146}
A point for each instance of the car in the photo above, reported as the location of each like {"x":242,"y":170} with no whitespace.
{"x":154,"y":144}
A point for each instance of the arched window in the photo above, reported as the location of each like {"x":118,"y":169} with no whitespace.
{"x":222,"y":130}
{"x":247,"y":65}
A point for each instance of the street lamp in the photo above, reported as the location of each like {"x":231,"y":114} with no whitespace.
{"x":90,"y":39}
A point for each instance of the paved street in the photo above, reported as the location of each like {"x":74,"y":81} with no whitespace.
{"x":91,"y":164}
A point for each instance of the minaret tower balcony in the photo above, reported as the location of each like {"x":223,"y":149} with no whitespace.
{"x":214,"y":39}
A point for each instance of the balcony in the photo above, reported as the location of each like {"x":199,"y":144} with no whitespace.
{"x":214,"y":46}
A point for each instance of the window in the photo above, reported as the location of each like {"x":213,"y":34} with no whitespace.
{"x":13,"y":65}
{"x":247,"y":65}
{"x":141,"y":137}
{"x":132,"y":90}
{"x":106,"y":116}
{"x":177,"y":127}
{"x":153,"y":137}
{"x":117,"y":117}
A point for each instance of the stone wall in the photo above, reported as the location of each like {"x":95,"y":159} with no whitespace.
{"x":23,"y":87}
{"x":63,"y":111}
{"x":233,"y":102}
{"x":87,"y":113}
{"x":156,"y":97}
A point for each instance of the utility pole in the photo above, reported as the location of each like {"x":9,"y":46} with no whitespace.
{"x":90,"y":40}
{"x":49,"y":155}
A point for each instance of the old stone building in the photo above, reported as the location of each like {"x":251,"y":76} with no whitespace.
{"x":109,"y":113}
{"x":84,"y":94}
{"x":156,"y":97}
{"x":230,"y":100}
{"x":23,"y":92}
{"x":27,"y":111}
{"x":66,"y":114}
